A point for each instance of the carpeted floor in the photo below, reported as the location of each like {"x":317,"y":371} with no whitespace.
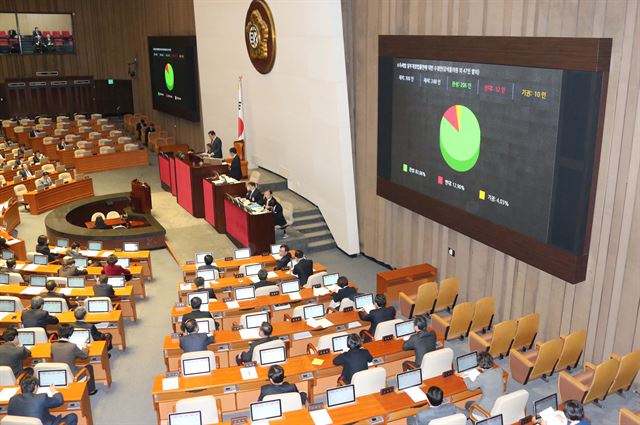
{"x":129,"y":401}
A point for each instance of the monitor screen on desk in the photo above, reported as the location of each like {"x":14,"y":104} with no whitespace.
{"x":196,"y":366}
{"x":203,"y":326}
{"x":412,"y":378}
{"x":4,"y":278}
{"x":253,"y":321}
{"x":272,"y":356}
{"x":467,"y":361}
{"x":98,"y":306}
{"x":116,"y":281}
{"x":275,"y":249}
{"x":130,"y":247}
{"x":312,"y":311}
{"x":242,"y":254}
{"x":186,"y":418}
{"x":290,"y":286}
{"x":494,"y":420}
{"x":364,"y":300}
{"x":75,"y":282}
{"x":124,"y":262}
{"x":7,"y":254}
{"x":341,"y":395}
{"x":265,"y":410}
{"x":200,"y":257}
{"x":38,"y":280}
{"x":208,"y":274}
{"x":7,"y":306}
{"x":41,"y":260}
{"x":330,"y":279}
{"x":62,"y":243}
{"x":245,"y":293}
{"x":339,"y":343}
{"x":52,"y":306}
{"x":95,"y":245}
{"x":26,"y":337}
{"x":405,"y":328}
{"x":57,"y":377}
{"x":203,"y":295}
{"x":80,"y":336}
{"x":545,"y":403}
{"x":252,"y":269}
{"x":81,"y":261}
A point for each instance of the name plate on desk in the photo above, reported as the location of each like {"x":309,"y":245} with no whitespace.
{"x":228,"y":258}
{"x":296,"y":319}
{"x":386,"y":390}
{"x":237,"y":328}
{"x":274,"y":293}
{"x":387,"y":337}
{"x":324,"y":351}
{"x":447,"y":373}
{"x":238,"y":275}
{"x":315,"y":406}
{"x":526,"y":420}
{"x":347,"y":309}
{"x":239,"y":420}
{"x":190,"y":263}
{"x":249,"y":364}
{"x":180,"y":305}
{"x":172,"y":374}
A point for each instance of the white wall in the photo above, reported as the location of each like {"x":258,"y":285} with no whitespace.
{"x":296,"y":117}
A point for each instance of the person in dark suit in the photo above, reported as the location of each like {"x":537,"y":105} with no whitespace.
{"x":262,"y":275}
{"x":378,"y":315}
{"x":33,"y":405}
{"x":38,"y":158}
{"x":80,"y":313}
{"x":36,"y":316}
{"x":70,"y":269}
{"x":304,"y":268}
{"x":437,"y":409}
{"x":285,"y":257}
{"x":354,"y":360}
{"x":345,"y":291}
{"x":25,"y":172}
{"x":208,"y":264}
{"x":235,"y":169}
{"x":254,"y":194}
{"x":199,"y":282}
{"x":140,"y":128}
{"x":12,"y":354}
{"x":51,"y":293}
{"x":422,"y":342}
{"x":278,"y":385}
{"x":195,"y":313}
{"x":37,"y":32}
{"x":103,"y":288}
{"x":42,"y":247}
{"x":489,"y":381}
{"x":194,"y":341}
{"x":65,"y":351}
{"x":272,"y":204}
{"x":214,"y":147}
{"x":100,"y":224}
{"x":265,"y":336}
{"x":150,"y":129}
{"x":62,"y":144}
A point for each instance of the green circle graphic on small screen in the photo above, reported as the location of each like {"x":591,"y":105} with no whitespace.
{"x":168,"y":76}
{"x":460,"y":138}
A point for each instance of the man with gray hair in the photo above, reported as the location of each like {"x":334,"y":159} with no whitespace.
{"x":36,"y":316}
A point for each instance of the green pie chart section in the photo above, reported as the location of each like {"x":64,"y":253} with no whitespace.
{"x":168,"y":76}
{"x":460,"y":138}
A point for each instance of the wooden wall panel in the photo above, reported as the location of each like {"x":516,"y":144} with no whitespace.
{"x":108,"y":35}
{"x":607,"y":303}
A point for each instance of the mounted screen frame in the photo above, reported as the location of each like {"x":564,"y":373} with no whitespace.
{"x":574,"y":54}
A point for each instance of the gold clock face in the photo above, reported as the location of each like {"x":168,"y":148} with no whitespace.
{"x":260,"y":36}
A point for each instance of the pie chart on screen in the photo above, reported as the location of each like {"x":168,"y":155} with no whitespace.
{"x":168,"y":76}
{"x":460,"y":138}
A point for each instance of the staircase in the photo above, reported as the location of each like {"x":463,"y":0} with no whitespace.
{"x":309,"y":231}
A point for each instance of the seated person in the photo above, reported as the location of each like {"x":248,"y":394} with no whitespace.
{"x":9,"y":267}
{"x":36,"y":316}
{"x":254,"y":194}
{"x":208,"y":264}
{"x":199,"y":282}
{"x":422,"y":342}
{"x":65,"y":351}
{"x":194,"y":341}
{"x":490,"y":382}
{"x":285,"y":258}
{"x":12,"y":354}
{"x":51,"y":286}
{"x":45,"y":180}
{"x":195,"y":313}
{"x":265,"y":336}
{"x":303,"y":269}
{"x":380,"y":314}
{"x":25,"y":172}
{"x":80,"y":313}
{"x":345,"y":291}
{"x":113,"y":269}
{"x":103,"y":288}
{"x":30,"y":403}
{"x":437,"y":408}
{"x":38,"y":158}
{"x":262,"y":275}
{"x":42,"y":247}
{"x":69,"y":269}
{"x":62,"y":144}
{"x":278,"y":385}
{"x":354,"y":360}
{"x":100,"y":224}
{"x":74,"y":251}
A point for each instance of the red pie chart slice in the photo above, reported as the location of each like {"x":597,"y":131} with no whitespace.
{"x":451,"y":115}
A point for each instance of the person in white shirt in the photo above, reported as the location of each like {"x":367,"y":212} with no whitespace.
{"x":45,"y":180}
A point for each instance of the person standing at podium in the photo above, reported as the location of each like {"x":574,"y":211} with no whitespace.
{"x":214,"y":147}
{"x":235,"y":170}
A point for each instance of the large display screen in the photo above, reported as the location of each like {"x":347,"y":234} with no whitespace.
{"x":510,"y":146}
{"x":174,"y":76}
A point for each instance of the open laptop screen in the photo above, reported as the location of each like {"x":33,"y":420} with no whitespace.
{"x":341,"y":395}
{"x":265,"y":410}
{"x":241,"y":254}
{"x":409,"y":379}
{"x":256,"y":320}
{"x":56,"y":377}
{"x":466,"y":362}
{"x":545,"y":403}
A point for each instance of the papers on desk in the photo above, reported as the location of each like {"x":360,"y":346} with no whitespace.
{"x":253,"y":333}
{"x":13,"y":241}
{"x":277,"y":257}
{"x":102,"y":325}
{"x":106,"y":254}
{"x":316,"y":323}
{"x":321,"y":417}
{"x":30,"y":267}
{"x":172,"y":383}
{"x":471,"y":374}
{"x":89,"y":253}
{"x":272,"y":275}
{"x":297,"y":336}
{"x":294,"y":296}
{"x":416,"y":394}
{"x":553,"y":417}
{"x":7,"y":393}
{"x":58,"y":250}
{"x":368,"y":308}
{"x":352,"y":325}
{"x":4,"y":315}
{"x":185,"y":286}
{"x":66,"y":291}
{"x":248,"y":373}
{"x":254,"y":279}
{"x":232,"y":304}
{"x":32,"y":290}
{"x":318,"y":292}
{"x":47,"y":391}
{"x":20,"y":266}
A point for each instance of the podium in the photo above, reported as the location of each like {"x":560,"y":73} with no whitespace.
{"x":250,"y":230}
{"x":214,"y":196}
{"x":188,"y":181}
{"x":140,"y":197}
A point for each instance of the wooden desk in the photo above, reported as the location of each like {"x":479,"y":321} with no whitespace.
{"x":56,"y":196}
{"x":113,"y":318}
{"x":7,"y":190}
{"x":16,"y":245}
{"x":111,"y":161}
{"x":405,"y":280}
{"x":189,"y":268}
{"x":255,"y":231}
{"x":188,"y":184}
{"x":118,"y":222}
{"x":214,"y":196}
{"x":10,"y":217}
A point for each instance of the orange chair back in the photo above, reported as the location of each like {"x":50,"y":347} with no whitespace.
{"x":603,"y":377}
{"x":548,"y":355}
{"x":447,"y":293}
{"x":627,"y":371}
{"x":502,"y":339}
{"x":527,"y":331}
{"x":483,"y":314}
{"x":425,"y":298}
{"x":572,"y":349}
{"x":460,"y":320}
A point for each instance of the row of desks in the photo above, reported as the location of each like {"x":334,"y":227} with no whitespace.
{"x":58,"y":195}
